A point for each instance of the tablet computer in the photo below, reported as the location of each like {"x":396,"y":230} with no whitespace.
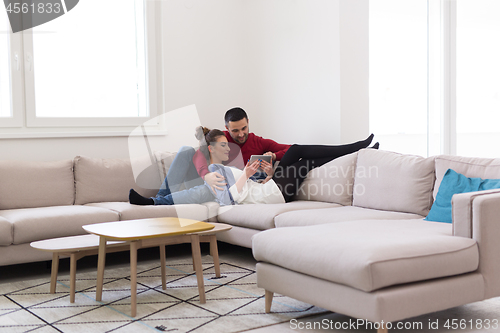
{"x":266,"y":158}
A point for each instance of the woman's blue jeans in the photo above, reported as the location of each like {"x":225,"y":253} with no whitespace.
{"x":182,"y":171}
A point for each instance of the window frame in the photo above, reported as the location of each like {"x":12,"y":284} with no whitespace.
{"x":23,"y":92}
{"x":16,"y":82}
{"x":449,"y":109}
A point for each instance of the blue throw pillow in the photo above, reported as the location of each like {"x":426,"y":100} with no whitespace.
{"x":454,"y":183}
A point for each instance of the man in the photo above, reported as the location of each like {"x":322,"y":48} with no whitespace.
{"x":243,"y":143}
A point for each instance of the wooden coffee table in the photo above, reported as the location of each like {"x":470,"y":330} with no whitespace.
{"x":77,"y":247}
{"x":147,"y":233}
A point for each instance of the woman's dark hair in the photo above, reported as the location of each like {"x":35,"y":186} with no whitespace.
{"x":207,"y":137}
{"x":235,"y":114}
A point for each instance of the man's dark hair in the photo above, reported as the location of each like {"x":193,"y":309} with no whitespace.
{"x":235,"y":114}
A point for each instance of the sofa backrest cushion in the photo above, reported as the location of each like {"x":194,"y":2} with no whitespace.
{"x":331,"y":182}
{"x":486,"y":168}
{"x":395,"y":182}
{"x":26,"y":184}
{"x":109,"y":180}
{"x":163,"y":161}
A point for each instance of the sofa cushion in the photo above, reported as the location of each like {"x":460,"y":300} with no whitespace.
{"x":36,"y":184}
{"x":338,"y":214}
{"x":133,"y":212}
{"x":212,"y":209}
{"x":6,"y":232}
{"x":50,"y":222}
{"x":467,"y":166}
{"x":455,"y":183}
{"x":108,"y":180}
{"x":331,"y":182}
{"x":261,"y":216}
{"x":369,"y":255}
{"x":391,"y":181}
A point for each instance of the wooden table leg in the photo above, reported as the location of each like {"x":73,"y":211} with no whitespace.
{"x":72,"y":277}
{"x":269,"y":300}
{"x":215,"y":254}
{"x":195,"y":248}
{"x":54,"y":272}
{"x":101,"y":261}
{"x":383,"y":329}
{"x":133,"y":278}
{"x":163,"y":268}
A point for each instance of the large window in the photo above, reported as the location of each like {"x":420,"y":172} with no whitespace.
{"x":478,"y":78}
{"x":398,"y":74}
{"x":94,"y":66}
{"x":434,"y":76}
{"x":5,"y":91}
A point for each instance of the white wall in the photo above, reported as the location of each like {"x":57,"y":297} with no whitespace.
{"x":354,"y":102}
{"x":203,"y":56}
{"x":50,"y":149}
{"x":293,"y":70}
{"x":281,"y":60}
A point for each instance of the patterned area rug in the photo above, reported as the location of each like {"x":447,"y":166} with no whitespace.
{"x":234,"y":303}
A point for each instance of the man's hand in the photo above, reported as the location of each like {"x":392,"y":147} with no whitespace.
{"x":215,"y":181}
{"x":273,"y":155}
{"x":267,"y":167}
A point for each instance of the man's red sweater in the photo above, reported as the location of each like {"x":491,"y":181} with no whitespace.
{"x":240,"y":153}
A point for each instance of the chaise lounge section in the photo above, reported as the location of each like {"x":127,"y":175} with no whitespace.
{"x":385,"y":268}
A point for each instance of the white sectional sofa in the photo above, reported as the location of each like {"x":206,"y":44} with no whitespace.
{"x":42,"y":200}
{"x":354,"y":241}
{"x":378,"y":259}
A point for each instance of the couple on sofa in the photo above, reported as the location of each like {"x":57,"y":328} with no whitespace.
{"x":213,"y":172}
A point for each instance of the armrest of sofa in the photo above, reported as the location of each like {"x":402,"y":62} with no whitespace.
{"x":486,"y":231}
{"x":213,"y":210}
{"x":478,"y":214}
{"x":462,"y":211}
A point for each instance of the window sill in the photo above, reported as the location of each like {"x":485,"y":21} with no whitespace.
{"x":21,"y":134}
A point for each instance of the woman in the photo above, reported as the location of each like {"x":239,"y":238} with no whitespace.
{"x":241,"y":189}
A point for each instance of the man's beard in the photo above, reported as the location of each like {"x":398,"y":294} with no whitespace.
{"x":241,"y":141}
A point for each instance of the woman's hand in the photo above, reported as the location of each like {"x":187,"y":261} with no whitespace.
{"x":251,"y":168}
{"x":267,"y":167}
